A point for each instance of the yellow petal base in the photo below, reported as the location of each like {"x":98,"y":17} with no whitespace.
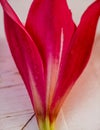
{"x":46,"y":124}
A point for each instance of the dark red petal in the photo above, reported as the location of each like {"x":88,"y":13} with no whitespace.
{"x":25,"y":54}
{"x":78,"y":54}
{"x":45,"y":23}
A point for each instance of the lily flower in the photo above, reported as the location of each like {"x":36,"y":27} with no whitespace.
{"x":50,"y":52}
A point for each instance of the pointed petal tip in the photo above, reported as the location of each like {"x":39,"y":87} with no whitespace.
{"x":79,"y":53}
{"x":24,"y":51}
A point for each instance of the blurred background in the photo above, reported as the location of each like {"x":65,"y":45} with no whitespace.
{"x":81,"y":110}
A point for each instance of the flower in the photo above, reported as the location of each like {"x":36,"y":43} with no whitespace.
{"x":50,"y":52}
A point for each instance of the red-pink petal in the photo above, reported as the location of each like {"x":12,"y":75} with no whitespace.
{"x":45,"y":22}
{"x":77,"y":55}
{"x":25,"y":54}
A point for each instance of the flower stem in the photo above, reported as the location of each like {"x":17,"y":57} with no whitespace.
{"x":46,"y":124}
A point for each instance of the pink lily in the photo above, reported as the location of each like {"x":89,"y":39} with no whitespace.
{"x":50,"y":52}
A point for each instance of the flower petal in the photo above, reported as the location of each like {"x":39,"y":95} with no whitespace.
{"x":77,"y":55}
{"x":26,"y":56}
{"x":45,"y":22}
